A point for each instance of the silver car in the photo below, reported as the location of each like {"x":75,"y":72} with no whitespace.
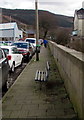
{"x":4,"y":68}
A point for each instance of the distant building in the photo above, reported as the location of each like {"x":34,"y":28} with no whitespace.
{"x":79,"y":23}
{"x":31,"y":33}
{"x":10,"y":31}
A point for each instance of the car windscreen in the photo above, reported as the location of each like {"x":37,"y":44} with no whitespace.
{"x":6,"y":50}
{"x":21,"y":45}
{"x":14,"y":50}
{"x":30,"y":40}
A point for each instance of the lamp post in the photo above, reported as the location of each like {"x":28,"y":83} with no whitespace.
{"x":37,"y":30}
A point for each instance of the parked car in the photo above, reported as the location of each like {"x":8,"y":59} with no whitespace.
{"x":31,"y":40}
{"x":4,"y":69}
{"x":14,"y":57}
{"x":24,"y":48}
{"x":40,"y":41}
{"x":2,"y":43}
{"x":8,"y":42}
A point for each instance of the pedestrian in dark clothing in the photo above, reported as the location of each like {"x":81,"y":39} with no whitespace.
{"x":45,"y":43}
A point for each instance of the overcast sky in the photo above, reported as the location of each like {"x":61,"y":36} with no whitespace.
{"x":64,"y":7}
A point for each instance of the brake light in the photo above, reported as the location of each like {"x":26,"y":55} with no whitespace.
{"x":22,"y":50}
{"x":9,"y":57}
{"x":26,"y":53}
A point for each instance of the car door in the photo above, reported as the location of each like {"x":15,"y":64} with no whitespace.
{"x":4,"y":68}
{"x":14,"y":56}
{"x":17,"y":56}
{"x":20,"y":57}
{"x":0,"y":69}
{"x":30,"y":48}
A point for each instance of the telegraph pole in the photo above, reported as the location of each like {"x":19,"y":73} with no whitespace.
{"x":37,"y":30}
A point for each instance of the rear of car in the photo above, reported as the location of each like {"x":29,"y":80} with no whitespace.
{"x":4,"y":68}
{"x":14,"y":57}
{"x":24,"y":49}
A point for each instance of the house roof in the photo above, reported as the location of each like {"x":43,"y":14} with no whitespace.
{"x":81,"y":11}
{"x":7,"y":25}
{"x":30,"y":31}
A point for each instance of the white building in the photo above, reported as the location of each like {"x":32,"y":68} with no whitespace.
{"x":79,"y":22}
{"x":10,"y":31}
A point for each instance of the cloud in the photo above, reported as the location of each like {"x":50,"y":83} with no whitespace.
{"x":16,"y":4}
{"x":66,"y":7}
{"x":52,"y":3}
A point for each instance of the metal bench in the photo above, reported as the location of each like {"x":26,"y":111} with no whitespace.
{"x":42,"y":76}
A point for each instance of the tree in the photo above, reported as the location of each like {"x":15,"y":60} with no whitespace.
{"x":62,"y":36}
{"x":45,"y":24}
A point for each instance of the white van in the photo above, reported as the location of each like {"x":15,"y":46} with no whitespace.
{"x":31,"y":40}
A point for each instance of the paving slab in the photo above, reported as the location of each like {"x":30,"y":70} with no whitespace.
{"x":28,"y":98}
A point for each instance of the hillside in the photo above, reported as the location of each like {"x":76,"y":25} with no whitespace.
{"x":28,"y":17}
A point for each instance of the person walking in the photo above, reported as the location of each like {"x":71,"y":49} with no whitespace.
{"x":45,"y":43}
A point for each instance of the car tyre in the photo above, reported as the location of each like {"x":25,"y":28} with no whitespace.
{"x":4,"y":88}
{"x":22,"y":62}
{"x":27,"y":59}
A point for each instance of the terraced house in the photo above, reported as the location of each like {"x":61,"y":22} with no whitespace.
{"x":79,"y":22}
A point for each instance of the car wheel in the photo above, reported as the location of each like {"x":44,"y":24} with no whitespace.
{"x":5,"y":88}
{"x":27,"y":59}
{"x":13,"y":68}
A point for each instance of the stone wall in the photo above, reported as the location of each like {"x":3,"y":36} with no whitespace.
{"x":71,"y":67}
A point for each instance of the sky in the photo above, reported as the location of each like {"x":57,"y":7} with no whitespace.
{"x":63,"y":7}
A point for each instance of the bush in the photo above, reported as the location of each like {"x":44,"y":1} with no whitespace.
{"x":62,"y":37}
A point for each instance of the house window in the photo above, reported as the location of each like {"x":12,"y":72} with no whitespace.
{"x":81,"y":16}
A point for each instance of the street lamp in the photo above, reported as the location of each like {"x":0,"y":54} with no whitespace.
{"x":37,"y":30}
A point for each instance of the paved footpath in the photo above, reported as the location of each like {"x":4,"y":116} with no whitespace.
{"x":25,"y":99}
